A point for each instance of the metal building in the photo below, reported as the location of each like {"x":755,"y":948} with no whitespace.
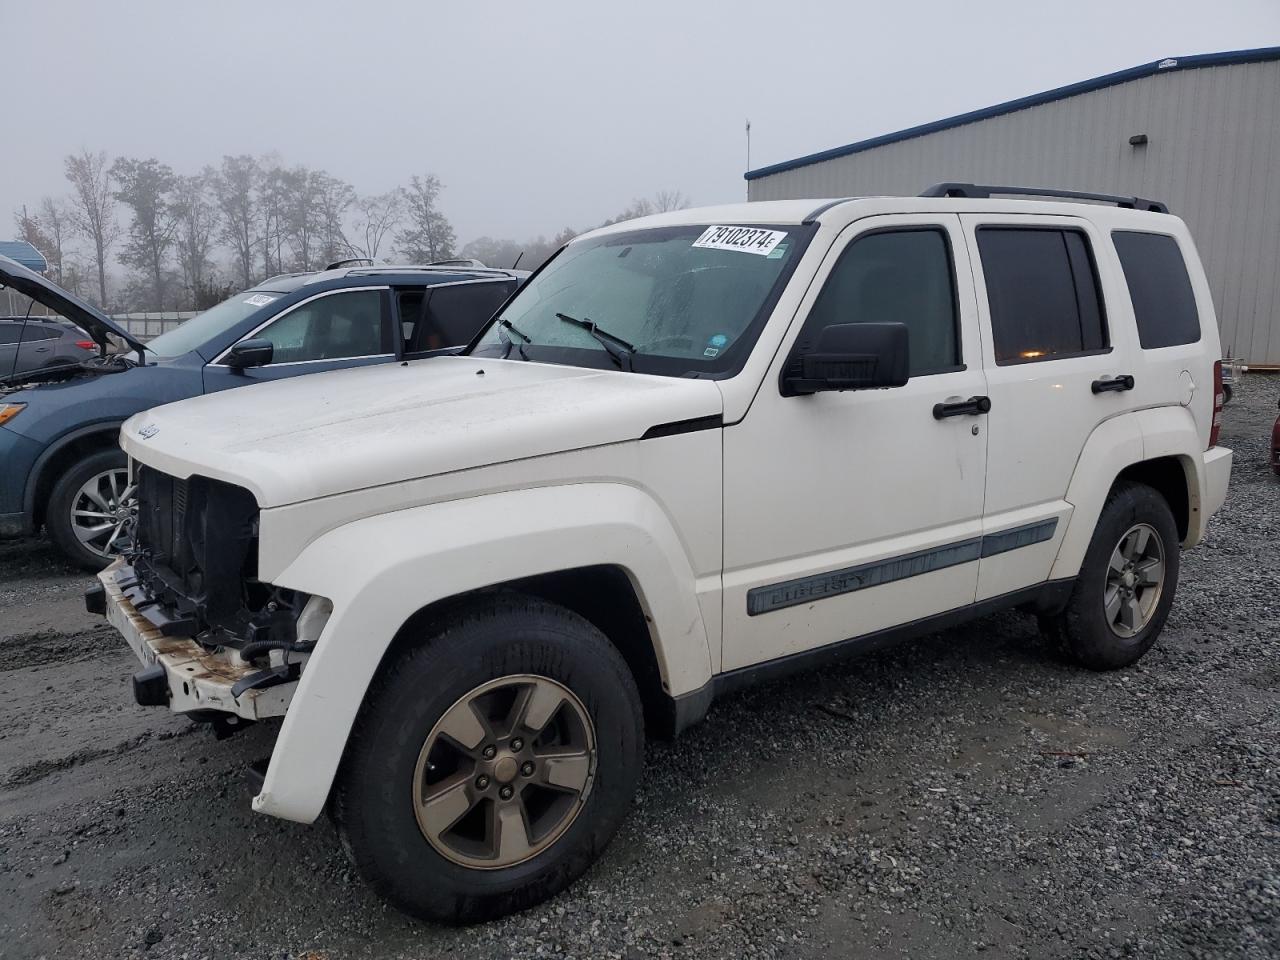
{"x":1200,"y":133}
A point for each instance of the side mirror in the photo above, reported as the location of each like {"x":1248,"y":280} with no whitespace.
{"x":255,"y":352}
{"x":850,"y":356}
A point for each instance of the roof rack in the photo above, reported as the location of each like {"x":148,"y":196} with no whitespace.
{"x":978,"y":191}
{"x":350,"y":262}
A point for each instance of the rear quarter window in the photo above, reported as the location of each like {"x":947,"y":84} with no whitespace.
{"x":1163,"y":302}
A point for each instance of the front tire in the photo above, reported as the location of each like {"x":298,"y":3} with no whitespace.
{"x":87,"y":509}
{"x":1126,"y":585}
{"x":492,"y":762}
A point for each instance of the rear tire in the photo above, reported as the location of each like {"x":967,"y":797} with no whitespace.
{"x":1126,"y":585}
{"x":416,"y":749}
{"x":69,"y":508}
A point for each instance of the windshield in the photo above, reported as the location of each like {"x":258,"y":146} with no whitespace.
{"x":203,"y":327}
{"x":688,"y":299}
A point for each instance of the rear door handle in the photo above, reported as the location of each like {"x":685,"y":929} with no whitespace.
{"x":974,"y":406}
{"x":1114,"y":385}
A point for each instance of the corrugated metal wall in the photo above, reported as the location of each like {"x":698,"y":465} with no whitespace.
{"x":1213,"y":155}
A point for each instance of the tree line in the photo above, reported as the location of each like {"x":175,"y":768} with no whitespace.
{"x":189,"y":241}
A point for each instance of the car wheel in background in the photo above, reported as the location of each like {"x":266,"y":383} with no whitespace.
{"x":88,"y":508}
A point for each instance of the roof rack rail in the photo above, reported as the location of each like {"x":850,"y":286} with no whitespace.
{"x":978,"y":191}
{"x":350,"y":262}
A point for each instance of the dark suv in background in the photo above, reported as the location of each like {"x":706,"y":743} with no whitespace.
{"x":60,"y":464}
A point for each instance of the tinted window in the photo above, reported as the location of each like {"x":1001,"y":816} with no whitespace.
{"x":339,"y":326}
{"x":454,"y":315}
{"x":9,"y":332}
{"x":1043,"y":293}
{"x":1163,"y":302}
{"x":902,"y":276}
{"x":43,"y":331}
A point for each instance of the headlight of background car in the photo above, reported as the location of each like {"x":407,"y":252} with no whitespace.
{"x":10,"y":410}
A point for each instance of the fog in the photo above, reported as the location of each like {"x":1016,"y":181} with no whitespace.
{"x":536,"y":117}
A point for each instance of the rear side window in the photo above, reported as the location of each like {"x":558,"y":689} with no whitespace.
{"x":1042,"y":289}
{"x":895,"y":276}
{"x":455,"y":314}
{"x":1163,"y":302}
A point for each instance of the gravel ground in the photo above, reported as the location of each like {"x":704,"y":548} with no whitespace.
{"x":966,"y":793}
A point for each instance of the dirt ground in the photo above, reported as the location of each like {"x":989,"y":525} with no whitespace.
{"x":967,"y":793}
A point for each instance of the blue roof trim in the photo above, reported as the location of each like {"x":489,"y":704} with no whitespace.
{"x":1167,"y":65}
{"x":25,"y":254}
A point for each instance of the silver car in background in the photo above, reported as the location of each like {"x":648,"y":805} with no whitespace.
{"x":31,"y":343}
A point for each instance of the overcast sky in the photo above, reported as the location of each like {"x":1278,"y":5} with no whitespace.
{"x":542,"y":115}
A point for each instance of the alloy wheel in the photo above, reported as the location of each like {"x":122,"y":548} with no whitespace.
{"x":100,"y":510}
{"x":1135,"y":580}
{"x":504,"y":772}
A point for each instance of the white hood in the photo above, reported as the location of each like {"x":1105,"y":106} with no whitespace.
{"x":328,"y":433}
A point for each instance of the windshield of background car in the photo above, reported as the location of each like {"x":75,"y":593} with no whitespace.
{"x":203,"y":327}
{"x":690,"y":299}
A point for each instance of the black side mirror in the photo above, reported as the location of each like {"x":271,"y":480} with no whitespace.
{"x":850,"y":356}
{"x":254,"y":352}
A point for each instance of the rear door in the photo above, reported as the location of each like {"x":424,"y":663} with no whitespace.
{"x":1056,"y":368}
{"x":449,"y":315}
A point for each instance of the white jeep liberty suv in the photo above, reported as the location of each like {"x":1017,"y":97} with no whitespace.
{"x":693,"y":451}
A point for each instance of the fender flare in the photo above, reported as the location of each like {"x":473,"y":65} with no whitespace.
{"x":379,"y":571}
{"x":53,"y":450}
{"x":1114,"y":445}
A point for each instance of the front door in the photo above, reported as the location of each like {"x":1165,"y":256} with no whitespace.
{"x":340,"y":328}
{"x":846,"y":513}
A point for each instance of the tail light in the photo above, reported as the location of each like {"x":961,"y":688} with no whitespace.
{"x":1219,"y":398}
{"x":85,"y":344}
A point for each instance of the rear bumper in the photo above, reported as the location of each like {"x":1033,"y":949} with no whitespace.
{"x":196,"y":678}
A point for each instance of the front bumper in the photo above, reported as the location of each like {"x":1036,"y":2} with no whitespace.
{"x":197,"y":678}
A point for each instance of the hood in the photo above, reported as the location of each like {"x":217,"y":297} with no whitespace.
{"x":47,"y":293}
{"x":329,"y":433}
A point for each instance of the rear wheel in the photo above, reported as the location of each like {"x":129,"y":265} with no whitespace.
{"x":88,"y":508}
{"x":492,"y":761}
{"x":1126,"y":584}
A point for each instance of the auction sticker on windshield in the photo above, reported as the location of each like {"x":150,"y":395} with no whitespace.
{"x":259,"y":300}
{"x":755,"y":240}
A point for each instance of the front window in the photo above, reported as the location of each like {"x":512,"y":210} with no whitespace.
{"x":203,"y":327}
{"x":688,"y":299}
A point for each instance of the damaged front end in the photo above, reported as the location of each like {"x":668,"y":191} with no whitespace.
{"x":216,"y":641}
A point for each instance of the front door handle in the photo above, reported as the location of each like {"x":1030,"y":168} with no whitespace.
{"x":1113,"y":385}
{"x":974,"y":406}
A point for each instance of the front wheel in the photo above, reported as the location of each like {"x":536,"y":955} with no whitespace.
{"x":1126,"y":584}
{"x":492,"y":762}
{"x":88,"y":509}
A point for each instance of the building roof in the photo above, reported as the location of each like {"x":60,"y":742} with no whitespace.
{"x":25,"y":254}
{"x":1167,"y":65}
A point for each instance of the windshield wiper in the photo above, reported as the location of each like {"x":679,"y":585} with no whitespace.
{"x":619,"y":350}
{"x":504,"y":322}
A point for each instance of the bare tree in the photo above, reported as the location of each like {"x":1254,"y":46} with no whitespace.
{"x":146,"y":188}
{"x":667,"y":200}
{"x":334,"y":197}
{"x":31,"y":230}
{"x":233,"y":189}
{"x":56,"y":223}
{"x":429,"y":235}
{"x":273,"y":202}
{"x":196,"y":219}
{"x":93,"y":211}
{"x":377,"y":216}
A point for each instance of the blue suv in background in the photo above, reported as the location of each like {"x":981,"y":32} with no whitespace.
{"x":60,"y":464}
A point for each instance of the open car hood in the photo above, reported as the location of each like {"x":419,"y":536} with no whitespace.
{"x":47,"y":293}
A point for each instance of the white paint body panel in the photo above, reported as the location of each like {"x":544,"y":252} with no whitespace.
{"x":384,"y":489}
